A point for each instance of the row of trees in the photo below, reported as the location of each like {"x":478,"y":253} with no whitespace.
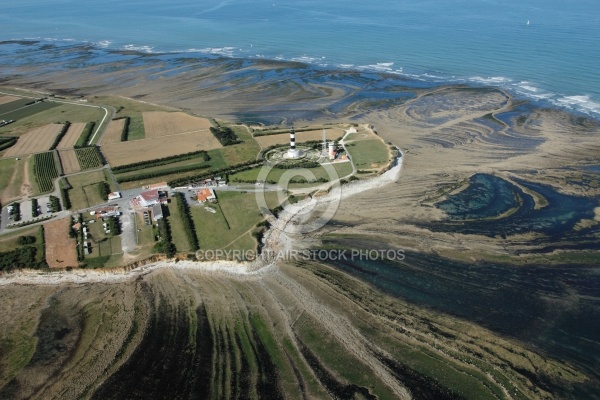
{"x":188,"y":223}
{"x":225,"y":135}
{"x":162,"y":172}
{"x":161,"y":161}
{"x":165,"y":243}
{"x":125,"y":131}
{"x":61,"y":134}
{"x":223,"y":171}
{"x":85,"y":135}
{"x":104,"y":189}
{"x":7,"y":141}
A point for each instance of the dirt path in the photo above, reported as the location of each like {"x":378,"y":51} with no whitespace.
{"x":26,"y":187}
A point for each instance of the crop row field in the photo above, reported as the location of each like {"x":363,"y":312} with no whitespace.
{"x":35,"y":141}
{"x":129,"y":152}
{"x":44,"y":169}
{"x":72,"y":136}
{"x":69,"y":161}
{"x":112,"y":134}
{"x":89,"y":157}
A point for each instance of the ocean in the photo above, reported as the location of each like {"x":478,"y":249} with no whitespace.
{"x":545,"y":50}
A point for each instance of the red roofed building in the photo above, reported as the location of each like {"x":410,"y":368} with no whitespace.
{"x":151,"y":197}
{"x":206,"y":194}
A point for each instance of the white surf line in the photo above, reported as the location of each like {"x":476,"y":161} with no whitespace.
{"x":263,"y":264}
{"x":118,"y":275}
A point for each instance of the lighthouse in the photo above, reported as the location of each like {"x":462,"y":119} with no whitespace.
{"x":293,"y":152}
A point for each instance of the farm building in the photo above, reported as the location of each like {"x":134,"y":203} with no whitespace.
{"x":157,"y":212}
{"x":206,"y":194}
{"x":114,"y":196}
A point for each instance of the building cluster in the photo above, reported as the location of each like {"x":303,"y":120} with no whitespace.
{"x":151,"y":200}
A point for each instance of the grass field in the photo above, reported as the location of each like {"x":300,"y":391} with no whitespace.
{"x":53,"y":113}
{"x":251,"y":175}
{"x":9,"y":242}
{"x":368,"y":154}
{"x":175,"y":220}
{"x":301,"y":137}
{"x":84,"y":192}
{"x":7,"y":168}
{"x":236,"y":215}
{"x":103,"y":245}
{"x":242,"y":152}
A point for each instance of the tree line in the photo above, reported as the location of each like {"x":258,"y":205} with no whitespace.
{"x":188,"y":224}
{"x":60,"y":135}
{"x":225,"y":135}
{"x":161,"y":161}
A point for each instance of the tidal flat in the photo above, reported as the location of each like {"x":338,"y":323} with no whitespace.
{"x":496,"y":210}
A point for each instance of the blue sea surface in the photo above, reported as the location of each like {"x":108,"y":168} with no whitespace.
{"x":548,"y":50}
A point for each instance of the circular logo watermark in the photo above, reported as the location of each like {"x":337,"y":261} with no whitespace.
{"x":307,"y":215}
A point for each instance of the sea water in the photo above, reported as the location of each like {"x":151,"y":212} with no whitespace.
{"x":548,"y":50}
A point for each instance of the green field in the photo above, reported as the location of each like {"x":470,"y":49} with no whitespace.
{"x":103,"y":244}
{"x":44,"y":170}
{"x":242,"y":152}
{"x":7,"y":168}
{"x":370,"y":153}
{"x":84,"y":192}
{"x":51,"y":112}
{"x":8,"y":241}
{"x":251,"y":175}
{"x":177,"y":232}
{"x":236,"y":215}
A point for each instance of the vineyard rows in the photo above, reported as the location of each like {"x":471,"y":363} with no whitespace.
{"x":89,"y":157}
{"x":45,"y":171}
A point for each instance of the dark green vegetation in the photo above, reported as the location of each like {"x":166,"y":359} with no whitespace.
{"x":25,"y":251}
{"x":55,"y":204}
{"x":89,"y":157}
{"x":34,"y":208}
{"x":60,"y":135}
{"x":165,"y":240}
{"x":225,"y":135}
{"x":24,"y":108}
{"x":15,"y":212}
{"x":45,"y":171}
{"x":104,"y":190}
{"x":125,"y":131}
{"x":85,"y":135}
{"x":209,"y":174}
{"x":7,"y":141}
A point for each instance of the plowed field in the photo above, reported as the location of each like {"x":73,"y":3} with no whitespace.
{"x":35,"y":141}
{"x":61,"y":251}
{"x":8,"y":99}
{"x":113,"y":131}
{"x":72,"y":135}
{"x":68,"y":159}
{"x":301,"y":137}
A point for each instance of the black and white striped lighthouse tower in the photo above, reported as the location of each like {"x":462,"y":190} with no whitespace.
{"x":293,"y":152}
